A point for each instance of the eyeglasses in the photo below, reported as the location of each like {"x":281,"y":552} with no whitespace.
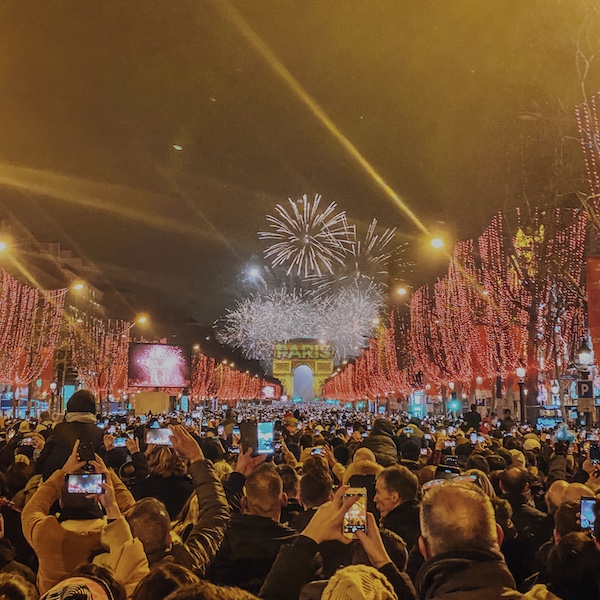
{"x":458,"y":479}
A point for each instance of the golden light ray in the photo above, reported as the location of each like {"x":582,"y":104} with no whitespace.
{"x":91,"y":194}
{"x":263,"y":49}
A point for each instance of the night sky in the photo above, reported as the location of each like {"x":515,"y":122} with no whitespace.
{"x":464,"y":107}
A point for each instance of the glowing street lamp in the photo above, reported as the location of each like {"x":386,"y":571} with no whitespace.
{"x":437,"y":243}
{"x":585,"y":355}
{"x":401,"y":291}
{"x":78,"y":286}
{"x":3,"y":246}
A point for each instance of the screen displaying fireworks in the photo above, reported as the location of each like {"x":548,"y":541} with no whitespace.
{"x":158,"y":365}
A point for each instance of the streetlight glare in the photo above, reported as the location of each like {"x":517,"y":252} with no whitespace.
{"x":78,"y":286}
{"x":3,"y":246}
{"x":437,"y":243}
{"x":401,"y":291}
{"x":142,"y":319}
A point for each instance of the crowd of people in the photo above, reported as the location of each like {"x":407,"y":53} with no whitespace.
{"x":348,"y":505}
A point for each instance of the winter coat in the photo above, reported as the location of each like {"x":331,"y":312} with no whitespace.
{"x":466,"y":575}
{"x":295,"y":566}
{"x":249,"y":550}
{"x":404,"y":521}
{"x":172,"y":491}
{"x":383,"y":447}
{"x":205,"y":538}
{"x":63,"y":547}
{"x":59,"y":445}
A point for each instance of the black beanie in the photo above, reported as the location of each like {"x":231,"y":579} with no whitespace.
{"x":82,"y":401}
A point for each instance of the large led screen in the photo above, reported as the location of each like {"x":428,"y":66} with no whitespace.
{"x":159,"y":365}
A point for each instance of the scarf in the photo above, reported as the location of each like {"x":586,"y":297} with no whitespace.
{"x":80,"y":417}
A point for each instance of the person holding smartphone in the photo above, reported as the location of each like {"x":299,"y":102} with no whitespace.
{"x":94,"y":524}
{"x":79,"y":424}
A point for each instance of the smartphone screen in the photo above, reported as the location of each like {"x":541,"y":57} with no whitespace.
{"x":26,"y":441}
{"x":595,"y":453}
{"x":220,"y":430}
{"x":120,"y":442}
{"x":85,"y":483}
{"x":356,"y":517}
{"x":423,"y":451}
{"x":473,"y":438}
{"x":588,"y":516}
{"x":265,"y":438}
{"x":318,"y":450}
{"x":236,"y":431}
{"x":452,"y":461}
{"x":159,"y":437}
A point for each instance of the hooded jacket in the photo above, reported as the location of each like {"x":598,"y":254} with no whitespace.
{"x":466,"y":575}
{"x":381,"y":443}
{"x":63,"y":547}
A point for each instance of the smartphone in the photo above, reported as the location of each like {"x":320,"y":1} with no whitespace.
{"x":299,"y":425}
{"x":234,"y":449}
{"x":317,"y":451}
{"x":236,"y":431}
{"x":265,"y":436}
{"x":427,"y":436}
{"x":451,"y":430}
{"x":450,"y":443}
{"x":356,"y":517}
{"x":451,"y":461}
{"x":407,"y":431}
{"x":143,"y":419}
{"x":277,"y":446}
{"x":446,"y":472}
{"x":220,"y":430}
{"x":86,"y":452}
{"x":473,"y":438}
{"x":85,"y":483}
{"x":120,"y":442}
{"x":443,"y":431}
{"x":365,"y":434}
{"x":595,"y":453}
{"x":481,"y":439}
{"x":112,"y":430}
{"x":159,"y":437}
{"x":26,"y":441}
{"x":188,"y":422}
{"x":586,"y":511}
{"x":423,"y":451}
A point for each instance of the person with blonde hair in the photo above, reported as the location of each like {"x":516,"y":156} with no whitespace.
{"x":167,"y":480}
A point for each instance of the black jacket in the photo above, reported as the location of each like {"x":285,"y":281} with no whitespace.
{"x":468,"y":575}
{"x":294,"y":566}
{"x":249,"y":550}
{"x":404,"y":521}
{"x":206,"y":536}
{"x":383,"y":447}
{"x":59,"y":445}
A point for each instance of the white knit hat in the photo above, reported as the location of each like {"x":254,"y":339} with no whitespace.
{"x":359,"y":582}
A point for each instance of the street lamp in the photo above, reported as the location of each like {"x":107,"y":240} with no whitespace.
{"x":521,"y":372}
{"x":437,"y":243}
{"x":585,"y":355}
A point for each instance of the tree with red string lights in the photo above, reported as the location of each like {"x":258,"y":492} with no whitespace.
{"x":29,"y":330}
{"x":100,"y":353}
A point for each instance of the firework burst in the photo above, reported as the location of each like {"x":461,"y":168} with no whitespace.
{"x":368,"y":262}
{"x":307,"y":241}
{"x":257,"y":323}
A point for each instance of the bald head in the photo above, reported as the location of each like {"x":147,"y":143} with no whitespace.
{"x":554,"y":495}
{"x":574,"y":491}
{"x":457,"y":517}
{"x":363,"y":454}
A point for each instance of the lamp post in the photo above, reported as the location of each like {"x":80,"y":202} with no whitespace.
{"x":53,"y":396}
{"x":520,"y":371}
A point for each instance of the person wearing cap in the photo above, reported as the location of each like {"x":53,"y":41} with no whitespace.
{"x":79,"y":424}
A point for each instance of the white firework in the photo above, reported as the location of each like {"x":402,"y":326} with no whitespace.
{"x":349,"y":317}
{"x":307,"y":241}
{"x":345,"y":320}
{"x":367,"y":262}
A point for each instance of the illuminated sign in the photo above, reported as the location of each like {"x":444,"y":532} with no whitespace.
{"x":300,"y":351}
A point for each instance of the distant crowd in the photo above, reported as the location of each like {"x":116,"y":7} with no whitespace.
{"x":331,"y":503}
